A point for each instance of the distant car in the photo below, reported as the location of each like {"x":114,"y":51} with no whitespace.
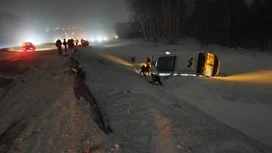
{"x":28,"y":46}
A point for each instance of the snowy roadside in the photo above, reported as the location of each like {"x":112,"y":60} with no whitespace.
{"x":41,"y":113}
{"x":146,"y":118}
{"x":233,"y":61}
{"x":242,"y":100}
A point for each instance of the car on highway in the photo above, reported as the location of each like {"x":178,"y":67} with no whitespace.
{"x":28,"y":46}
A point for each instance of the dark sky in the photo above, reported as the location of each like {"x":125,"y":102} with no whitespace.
{"x":68,"y":12}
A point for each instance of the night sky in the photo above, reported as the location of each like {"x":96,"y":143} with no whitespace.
{"x":68,"y":12}
{"x":33,"y":16}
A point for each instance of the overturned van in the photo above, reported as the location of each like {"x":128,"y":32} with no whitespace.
{"x":186,"y":64}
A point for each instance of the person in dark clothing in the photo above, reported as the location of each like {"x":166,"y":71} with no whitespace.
{"x":82,"y":42}
{"x":145,"y":69}
{"x":76,"y":42}
{"x":156,"y":78}
{"x":69,"y":44}
{"x":65,"y":45}
{"x":58,"y":45}
{"x":86,"y":43}
{"x":148,"y":68}
{"x":148,"y":63}
{"x":72,"y":43}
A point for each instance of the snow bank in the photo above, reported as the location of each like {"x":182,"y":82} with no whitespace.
{"x":41,"y":113}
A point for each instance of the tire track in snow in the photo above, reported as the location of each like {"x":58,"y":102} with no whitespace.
{"x":43,"y":129}
{"x":164,"y":138}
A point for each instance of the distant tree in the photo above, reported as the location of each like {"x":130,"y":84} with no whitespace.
{"x":159,"y":19}
{"x":267,"y":11}
{"x":257,"y":24}
{"x":223,"y":22}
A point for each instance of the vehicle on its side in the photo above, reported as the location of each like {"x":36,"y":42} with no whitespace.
{"x":205,"y":64}
{"x":28,"y":46}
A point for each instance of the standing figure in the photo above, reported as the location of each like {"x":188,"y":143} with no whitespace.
{"x":76,"y":42}
{"x":72,"y":43}
{"x":69,"y":44}
{"x":82,"y":42}
{"x":65,"y":45}
{"x":58,"y":45}
{"x":148,"y":63}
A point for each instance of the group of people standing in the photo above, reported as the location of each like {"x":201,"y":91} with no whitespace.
{"x":70,"y":44}
{"x":84,"y":43}
{"x":67,"y":44}
{"x":147,"y":71}
{"x":146,"y":68}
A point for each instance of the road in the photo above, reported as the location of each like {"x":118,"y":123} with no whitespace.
{"x":35,"y":102}
{"x":40,"y":47}
{"x":15,"y":52}
{"x":39,"y":111}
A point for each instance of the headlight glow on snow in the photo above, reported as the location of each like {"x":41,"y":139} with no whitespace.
{"x":141,"y":64}
{"x":115,"y":59}
{"x":259,"y":77}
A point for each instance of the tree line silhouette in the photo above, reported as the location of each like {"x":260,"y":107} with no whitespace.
{"x":232,"y":23}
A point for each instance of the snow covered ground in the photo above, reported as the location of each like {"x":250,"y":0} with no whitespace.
{"x":40,"y":112}
{"x":241,"y":100}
